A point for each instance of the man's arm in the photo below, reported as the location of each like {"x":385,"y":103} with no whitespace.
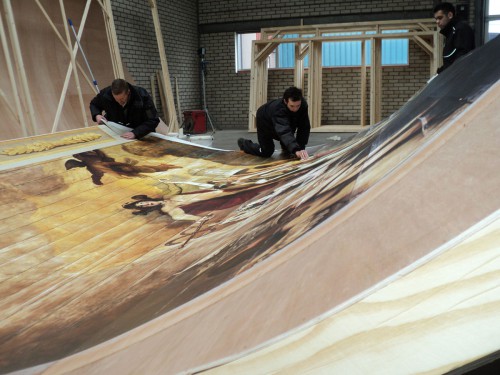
{"x":96,"y":106}
{"x":152,"y":119}
{"x":304,"y":127}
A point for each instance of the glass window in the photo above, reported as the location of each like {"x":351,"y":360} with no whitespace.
{"x":492,"y":19}
{"x":335,"y":54}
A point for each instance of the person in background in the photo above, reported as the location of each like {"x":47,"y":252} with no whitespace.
{"x":279,"y":120}
{"x":459,"y":35}
{"x":129,"y":105}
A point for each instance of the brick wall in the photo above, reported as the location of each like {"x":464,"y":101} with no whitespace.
{"x":139,"y":48}
{"x":227,"y":92}
{"x":228,"y":99}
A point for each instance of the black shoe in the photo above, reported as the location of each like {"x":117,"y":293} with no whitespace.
{"x":241,"y":144}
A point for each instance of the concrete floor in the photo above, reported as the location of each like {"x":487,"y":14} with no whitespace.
{"x":227,"y":139}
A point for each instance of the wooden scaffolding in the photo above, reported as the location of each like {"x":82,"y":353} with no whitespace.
{"x":308,"y":42}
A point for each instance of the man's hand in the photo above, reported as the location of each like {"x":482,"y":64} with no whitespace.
{"x":101,"y":119}
{"x":128,"y":135}
{"x":302,"y":154}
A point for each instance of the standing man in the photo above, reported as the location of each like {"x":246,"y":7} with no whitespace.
{"x":280,"y":119}
{"x":459,"y":35}
{"x":129,"y":105}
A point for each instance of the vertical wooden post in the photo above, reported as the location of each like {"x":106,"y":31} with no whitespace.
{"x":10,"y":70}
{"x":363,"y":84}
{"x":18,"y":58}
{"x":298,"y":76}
{"x":437,"y":57}
{"x":173,"y":125}
{"x":258,"y":80}
{"x":73,"y":63}
{"x":376,"y":81}
{"x":315,"y":83}
{"x":114,"y":49}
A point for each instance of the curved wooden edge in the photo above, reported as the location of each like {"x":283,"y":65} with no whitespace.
{"x":448,"y":300}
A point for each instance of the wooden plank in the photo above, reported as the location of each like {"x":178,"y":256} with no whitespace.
{"x":315,"y":84}
{"x":70,"y":69}
{"x":173,"y":125}
{"x":415,"y":309}
{"x":376,"y":81}
{"x":363,"y":85}
{"x":20,"y":111}
{"x":73,"y":62}
{"x":19,"y":62}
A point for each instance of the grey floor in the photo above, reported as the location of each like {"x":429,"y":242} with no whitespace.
{"x":227,"y":139}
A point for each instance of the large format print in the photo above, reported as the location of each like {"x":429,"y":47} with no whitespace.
{"x":103,"y":239}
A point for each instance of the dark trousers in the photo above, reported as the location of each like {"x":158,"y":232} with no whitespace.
{"x":265,"y":139}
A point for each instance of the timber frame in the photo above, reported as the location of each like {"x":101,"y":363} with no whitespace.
{"x":24,"y":110}
{"x":422,"y":31}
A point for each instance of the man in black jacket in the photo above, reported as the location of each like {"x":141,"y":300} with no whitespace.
{"x":129,"y":105}
{"x":459,"y":35}
{"x":279,"y":120}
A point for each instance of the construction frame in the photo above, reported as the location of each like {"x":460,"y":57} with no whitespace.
{"x":309,"y":43}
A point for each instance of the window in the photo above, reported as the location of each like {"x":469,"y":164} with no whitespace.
{"x":492,"y":19}
{"x":335,"y":54}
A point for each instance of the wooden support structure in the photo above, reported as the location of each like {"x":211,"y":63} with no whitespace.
{"x":173,"y":124}
{"x":73,"y":63}
{"x":20,"y":112}
{"x":376,"y":81}
{"x":70,"y":69}
{"x":309,"y":42}
{"x":30,"y":67}
{"x":18,"y":58}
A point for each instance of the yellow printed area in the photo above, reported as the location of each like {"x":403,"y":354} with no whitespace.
{"x":44,"y":146}
{"x":18,"y":152}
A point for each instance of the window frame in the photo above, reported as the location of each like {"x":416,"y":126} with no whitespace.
{"x":276,"y":61}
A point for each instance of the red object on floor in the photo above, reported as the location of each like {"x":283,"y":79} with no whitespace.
{"x":195,"y":122}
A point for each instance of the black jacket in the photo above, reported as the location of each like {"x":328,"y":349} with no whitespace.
{"x":139,"y":113}
{"x":274,"y":119}
{"x":459,"y":41}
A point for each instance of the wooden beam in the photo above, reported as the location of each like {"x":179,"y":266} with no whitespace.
{"x":70,"y":69}
{"x":355,"y":37}
{"x":376,"y":81}
{"x":420,"y":24}
{"x":59,"y":36}
{"x":258,"y":85}
{"x":178,"y":99}
{"x":363,"y":84}
{"x":17,"y":100}
{"x":314,"y":88}
{"x":173,"y":125}
{"x":424,"y":45}
{"x":18,"y":58}
{"x":73,"y":63}
{"x":298,"y":72}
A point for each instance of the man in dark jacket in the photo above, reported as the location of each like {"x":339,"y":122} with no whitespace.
{"x":129,"y":105}
{"x":459,"y":35}
{"x":279,"y":120}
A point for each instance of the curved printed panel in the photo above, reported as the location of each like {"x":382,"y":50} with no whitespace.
{"x":102,"y":240}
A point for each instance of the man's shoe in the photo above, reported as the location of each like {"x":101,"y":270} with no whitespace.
{"x":241,"y":144}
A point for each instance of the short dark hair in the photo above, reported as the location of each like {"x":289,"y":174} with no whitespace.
{"x":445,"y":7}
{"x":119,"y":86}
{"x":293,"y":93}
{"x":141,"y":210}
